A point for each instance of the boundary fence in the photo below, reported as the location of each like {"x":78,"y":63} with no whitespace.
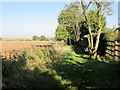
{"x":113,"y":50}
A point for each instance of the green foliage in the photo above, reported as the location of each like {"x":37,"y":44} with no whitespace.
{"x":69,"y":20}
{"x":61,"y":33}
{"x":110,"y":34}
{"x":70,"y":15}
{"x":93,"y":21}
{"x":96,"y":22}
{"x":35,"y":37}
{"x":40,"y":38}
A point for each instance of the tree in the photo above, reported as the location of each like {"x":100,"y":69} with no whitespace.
{"x":93,"y":21}
{"x":42,"y":38}
{"x":61,"y":33}
{"x":100,"y":8}
{"x":70,"y":18}
{"x":93,"y":26}
{"x":35,"y":37}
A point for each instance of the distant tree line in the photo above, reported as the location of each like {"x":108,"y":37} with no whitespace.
{"x":0,"y":38}
{"x":41,"y":38}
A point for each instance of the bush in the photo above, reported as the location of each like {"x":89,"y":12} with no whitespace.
{"x":110,"y":34}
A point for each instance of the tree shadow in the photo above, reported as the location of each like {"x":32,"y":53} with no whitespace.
{"x":16,"y":75}
{"x":78,"y":50}
{"x":92,"y":74}
{"x":73,"y":71}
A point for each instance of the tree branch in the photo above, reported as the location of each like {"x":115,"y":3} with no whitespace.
{"x":88,"y":4}
{"x":83,"y":5}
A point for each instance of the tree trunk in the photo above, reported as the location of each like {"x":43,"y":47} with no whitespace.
{"x":75,"y":34}
{"x":69,"y":40}
{"x":98,"y":34}
{"x":89,"y":41}
{"x":91,"y":38}
{"x":90,"y":33}
{"x":78,"y":34}
{"x":96,"y":44}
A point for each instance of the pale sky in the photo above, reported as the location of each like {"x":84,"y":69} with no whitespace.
{"x":119,"y":14}
{"x":25,"y":19}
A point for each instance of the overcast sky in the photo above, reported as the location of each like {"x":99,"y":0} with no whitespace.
{"x":25,"y":19}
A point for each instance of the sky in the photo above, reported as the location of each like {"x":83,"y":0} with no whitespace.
{"x":119,"y":14}
{"x":25,"y":19}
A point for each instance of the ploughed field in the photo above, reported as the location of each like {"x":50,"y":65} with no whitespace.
{"x":8,"y":46}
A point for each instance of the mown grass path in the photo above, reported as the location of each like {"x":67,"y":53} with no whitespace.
{"x":84,"y":72}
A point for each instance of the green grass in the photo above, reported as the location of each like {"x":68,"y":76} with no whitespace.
{"x":72,"y":71}
{"x":83,"y":71}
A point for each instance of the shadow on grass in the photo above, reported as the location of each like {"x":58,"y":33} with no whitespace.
{"x":79,"y":50}
{"x":16,"y":76}
{"x":73,"y":71}
{"x":86,"y":73}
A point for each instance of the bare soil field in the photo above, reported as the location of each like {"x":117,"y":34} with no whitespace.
{"x":6,"y":46}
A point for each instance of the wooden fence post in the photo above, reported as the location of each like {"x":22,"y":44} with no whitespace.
{"x":112,"y":49}
{"x":116,"y":51}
